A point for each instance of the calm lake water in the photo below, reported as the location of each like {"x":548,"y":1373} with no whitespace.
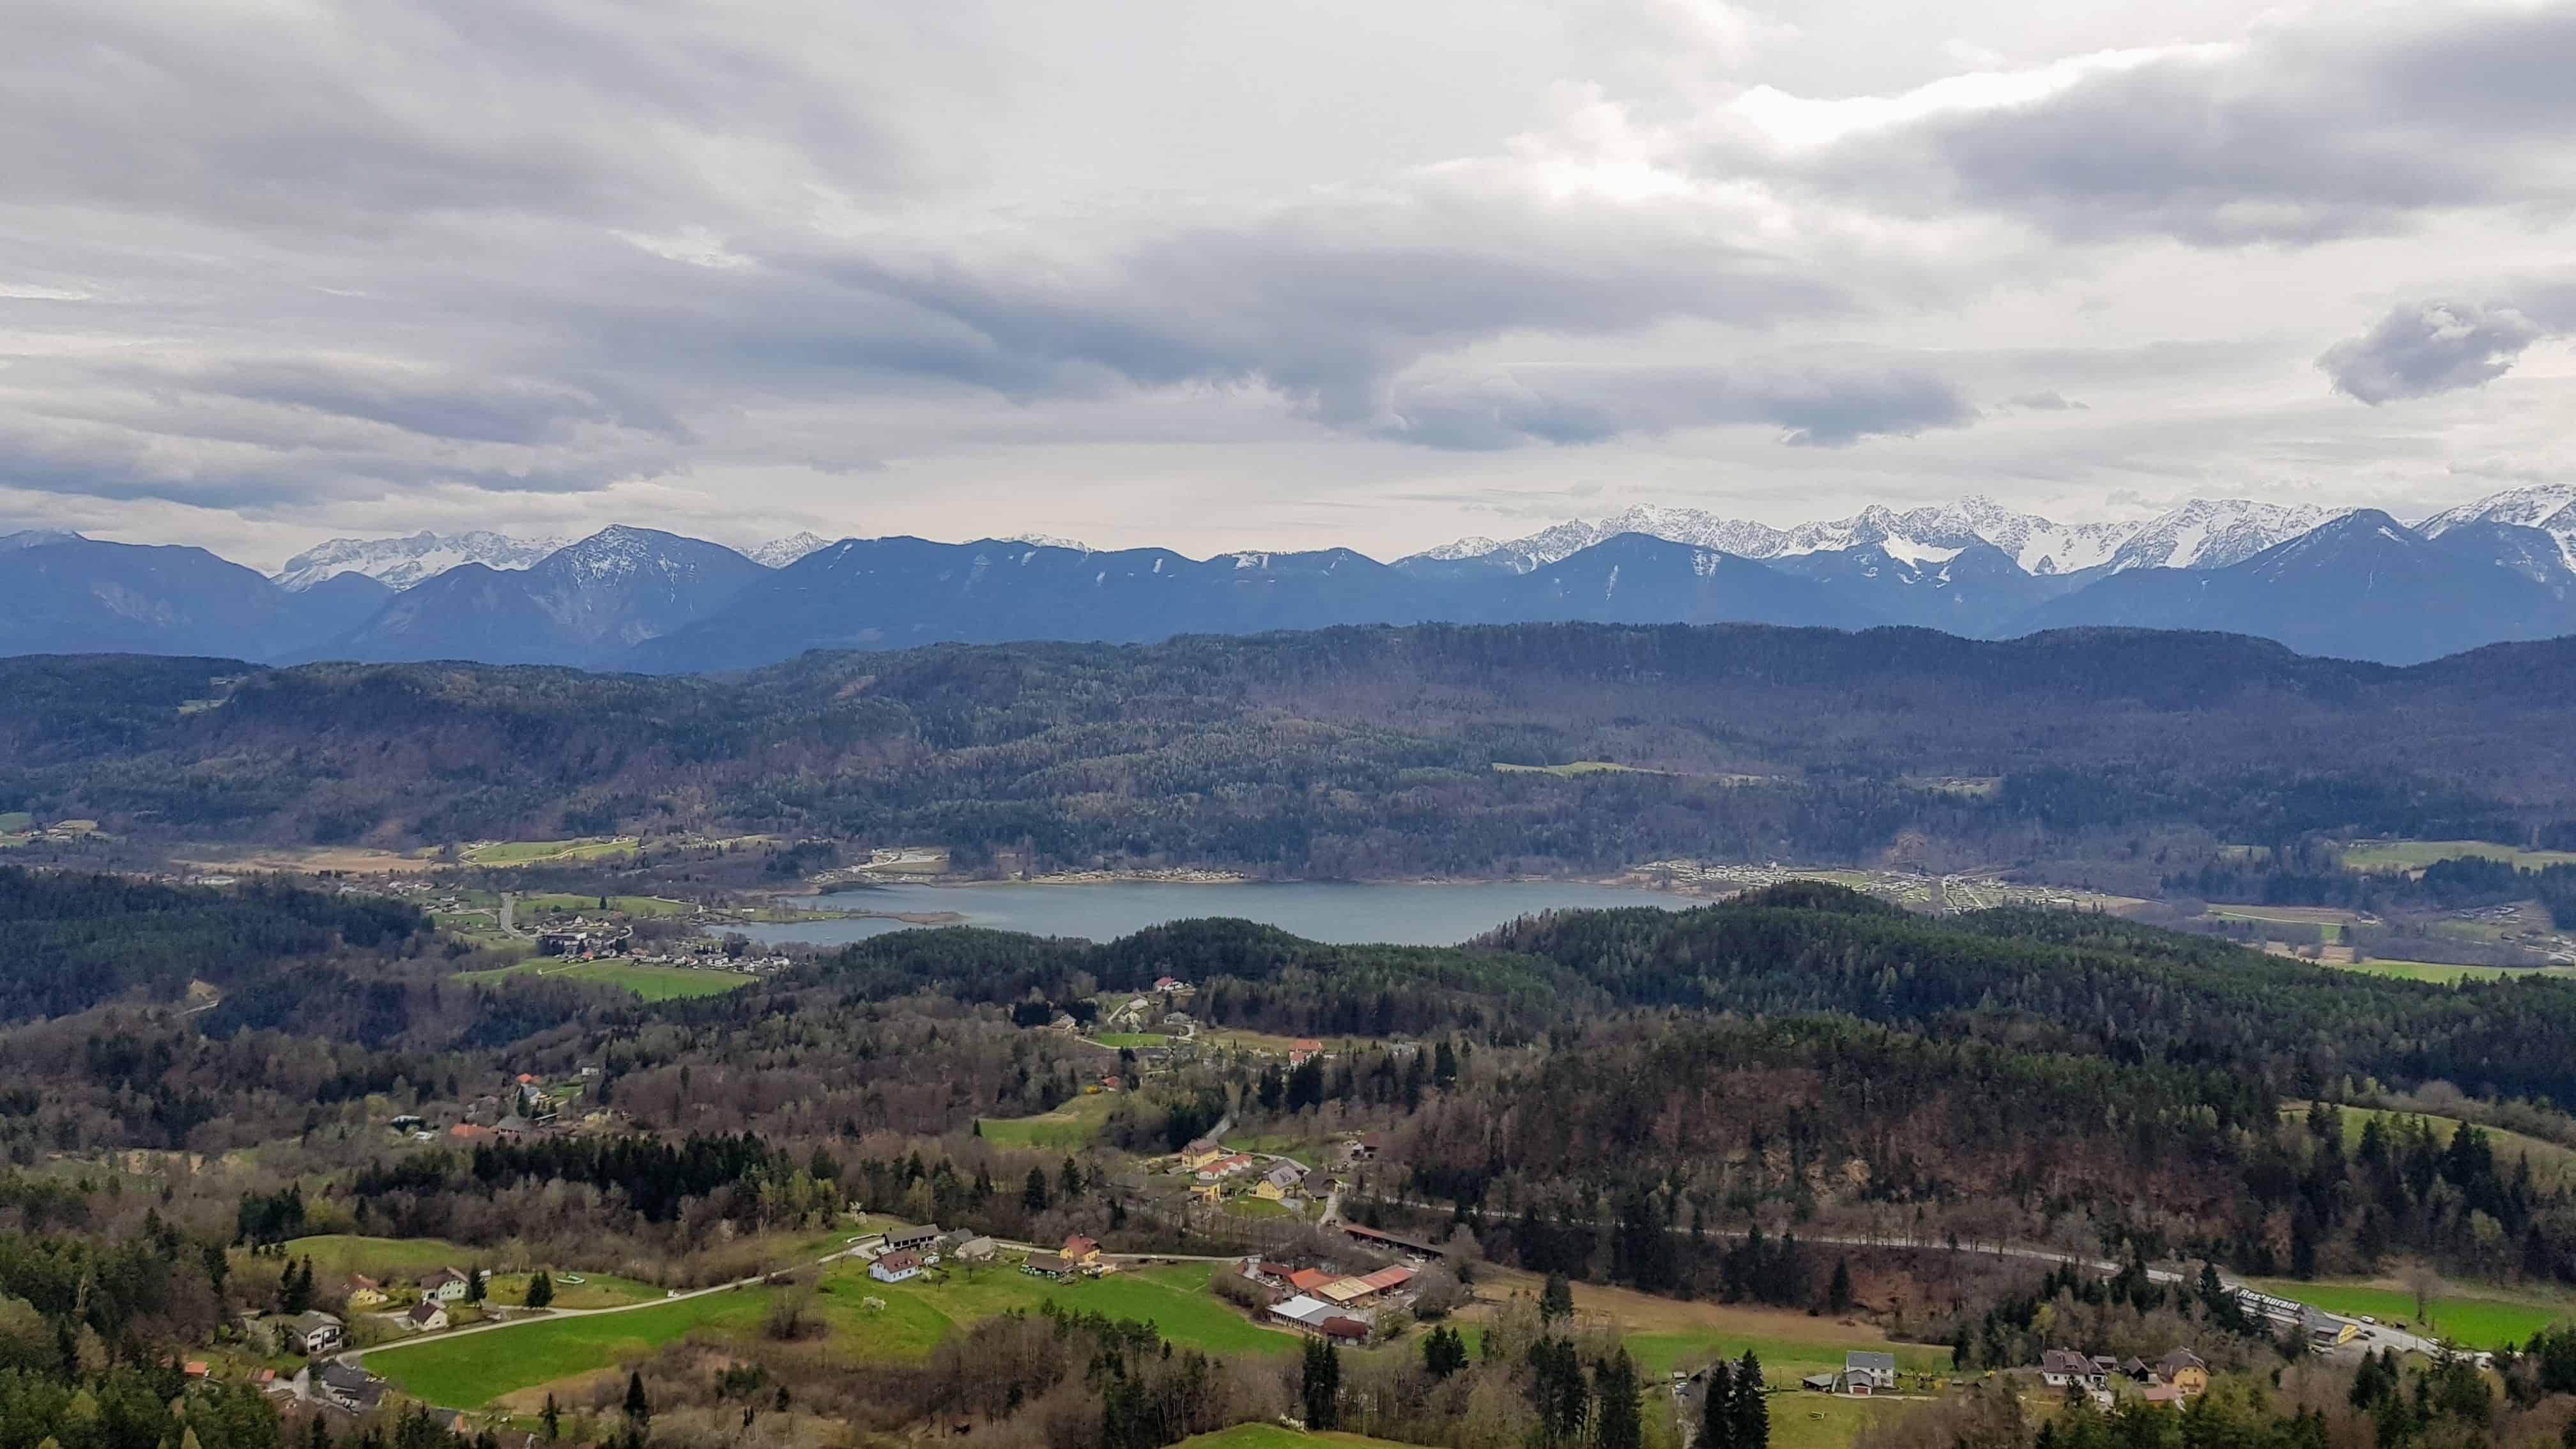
{"x":1410,"y":915}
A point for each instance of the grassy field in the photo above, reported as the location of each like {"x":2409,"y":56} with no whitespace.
{"x":16,"y":821}
{"x":595,"y":1290}
{"x":2417,"y":854}
{"x":1825,"y":1421}
{"x":1115,"y":1039}
{"x":1257,"y":1208}
{"x":336,"y":1255}
{"x":1074,"y":1124}
{"x":2463,"y":1318}
{"x":625,"y":905}
{"x":528,"y":852}
{"x":1174,"y":1298}
{"x":1664,"y":1334}
{"x":2290,"y":915}
{"x":653,"y":983}
{"x":1274,"y":1436}
{"x":466,"y":1371}
{"x":2436,"y":971}
{"x":1576,"y":767}
{"x":2551,"y":1164}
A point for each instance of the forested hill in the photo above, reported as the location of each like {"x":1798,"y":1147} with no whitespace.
{"x":2132,"y":992}
{"x":77,"y":940}
{"x":2045,"y":980}
{"x":1343,"y":752}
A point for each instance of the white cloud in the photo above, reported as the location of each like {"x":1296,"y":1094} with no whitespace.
{"x":1255,"y":273}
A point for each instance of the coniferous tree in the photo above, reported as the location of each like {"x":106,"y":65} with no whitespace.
{"x":1556,"y":1300}
{"x":1752,"y":1407}
{"x":1838,"y":1294}
{"x":541,"y":1289}
{"x":1717,"y":1407}
{"x":1617,"y":1424}
{"x":1322,"y":1383}
{"x":552,"y":1417}
{"x":639,"y":1409}
{"x":1034,"y":1196}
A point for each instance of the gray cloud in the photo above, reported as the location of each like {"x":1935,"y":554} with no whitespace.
{"x":1814,"y":407}
{"x":2429,"y":347}
{"x":283,"y":261}
{"x":2330,"y":127}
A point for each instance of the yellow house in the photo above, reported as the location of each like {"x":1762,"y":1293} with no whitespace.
{"x":1282,"y":1179}
{"x":1082,"y":1252}
{"x":1208,"y":1192}
{"x":1200,"y":1153}
{"x":363,"y":1292}
{"x":2183,"y":1369}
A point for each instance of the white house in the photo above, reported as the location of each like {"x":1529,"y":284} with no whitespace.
{"x":895,"y":1267}
{"x":427,"y":1316}
{"x":446,"y":1285}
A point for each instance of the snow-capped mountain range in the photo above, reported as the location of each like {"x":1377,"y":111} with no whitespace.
{"x":2199,"y":534}
{"x":399,"y":563}
{"x":2352,"y":583}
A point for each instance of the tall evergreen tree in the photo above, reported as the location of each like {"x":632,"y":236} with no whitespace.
{"x":1717,"y":1407}
{"x":1556,"y":1300}
{"x":1322,"y":1383}
{"x":1617,"y":1424}
{"x":639,"y":1409}
{"x":1752,"y":1407}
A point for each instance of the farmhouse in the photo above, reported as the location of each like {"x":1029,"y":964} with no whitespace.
{"x":427,"y":1316}
{"x":1304,"y":1050}
{"x":974,"y":1250}
{"x":2062,"y":1368}
{"x":1049,"y":1265}
{"x":362,"y":1291}
{"x":912,"y":1240}
{"x":1865,"y":1372}
{"x":896,"y":1267}
{"x":1201,"y":1153}
{"x":1282,"y":1179}
{"x":446,"y":1286}
{"x":315,"y":1332}
{"x":2183,"y":1372}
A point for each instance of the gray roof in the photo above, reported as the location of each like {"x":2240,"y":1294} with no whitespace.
{"x":1884,"y":1363}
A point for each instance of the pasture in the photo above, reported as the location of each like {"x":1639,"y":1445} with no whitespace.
{"x":2464,"y":1317}
{"x":1173,"y":1297}
{"x":623,"y":905}
{"x":2436,"y":971}
{"x":530,"y":852}
{"x":2551,"y":1164}
{"x":467,"y":1370}
{"x":1075,"y":1124}
{"x":653,"y":983}
{"x":2417,"y":854}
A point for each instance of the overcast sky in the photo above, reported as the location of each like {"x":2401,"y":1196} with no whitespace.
{"x":1222,"y":273}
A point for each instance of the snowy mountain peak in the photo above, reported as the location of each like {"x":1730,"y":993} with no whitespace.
{"x":2549,"y":507}
{"x":2214,"y":533}
{"x":400,"y":563}
{"x":38,"y":538}
{"x":778,"y":553}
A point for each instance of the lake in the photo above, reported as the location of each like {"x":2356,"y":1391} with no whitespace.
{"x":1409,"y":915}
